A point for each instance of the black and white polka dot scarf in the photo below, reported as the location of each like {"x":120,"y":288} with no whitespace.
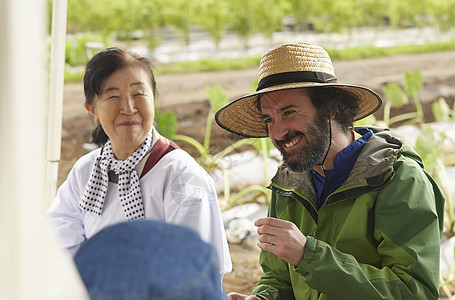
{"x":128,"y":181}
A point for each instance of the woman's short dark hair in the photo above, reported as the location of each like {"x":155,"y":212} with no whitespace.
{"x":339,"y":103}
{"x":103,"y":65}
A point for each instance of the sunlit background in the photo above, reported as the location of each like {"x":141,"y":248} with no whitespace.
{"x":45,"y":44}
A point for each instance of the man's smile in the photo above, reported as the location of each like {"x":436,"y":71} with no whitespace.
{"x":290,"y":140}
{"x":293,"y":142}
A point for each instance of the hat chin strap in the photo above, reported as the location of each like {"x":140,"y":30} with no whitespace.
{"x":326,"y":181}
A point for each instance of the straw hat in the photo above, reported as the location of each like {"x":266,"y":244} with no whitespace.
{"x":289,"y":66}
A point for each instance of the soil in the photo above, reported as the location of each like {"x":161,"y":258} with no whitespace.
{"x":185,"y":95}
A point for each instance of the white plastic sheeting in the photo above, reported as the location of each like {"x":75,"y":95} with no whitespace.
{"x":239,"y":221}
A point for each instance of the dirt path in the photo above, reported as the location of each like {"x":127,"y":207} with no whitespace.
{"x":435,"y":67}
{"x":174,"y":89}
{"x":185,"y":95}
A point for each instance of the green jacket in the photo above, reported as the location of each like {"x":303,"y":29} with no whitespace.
{"x":376,"y":237}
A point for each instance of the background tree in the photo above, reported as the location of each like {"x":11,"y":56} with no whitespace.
{"x":213,"y":17}
{"x":180,"y":14}
{"x":255,"y":16}
{"x":442,"y":13}
{"x":149,"y":19}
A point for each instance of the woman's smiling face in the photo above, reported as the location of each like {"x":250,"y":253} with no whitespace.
{"x":125,"y":109}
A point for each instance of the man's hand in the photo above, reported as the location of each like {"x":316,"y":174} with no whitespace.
{"x":281,"y":238}
{"x":236,"y":296}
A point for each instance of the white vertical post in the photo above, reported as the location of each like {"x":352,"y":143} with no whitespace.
{"x":32,"y":266}
{"x":56,"y":83}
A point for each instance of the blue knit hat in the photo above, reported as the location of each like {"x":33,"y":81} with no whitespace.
{"x":148,"y":259}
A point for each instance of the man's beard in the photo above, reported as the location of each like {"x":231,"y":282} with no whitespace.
{"x":313,"y":151}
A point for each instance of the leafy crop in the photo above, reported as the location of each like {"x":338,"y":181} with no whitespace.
{"x":152,"y":18}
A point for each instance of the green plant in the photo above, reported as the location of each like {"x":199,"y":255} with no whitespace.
{"x":444,"y":284}
{"x":263,"y":147}
{"x":442,"y":111}
{"x":73,"y":74}
{"x":210,"y":162}
{"x":397,"y":97}
{"x":255,"y":16}
{"x":251,"y":193}
{"x":76,"y":51}
{"x":213,"y":17}
{"x":148,"y":19}
{"x":413,"y":83}
{"x":166,"y":123}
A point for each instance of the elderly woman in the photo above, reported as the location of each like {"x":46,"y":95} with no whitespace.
{"x":137,"y":173}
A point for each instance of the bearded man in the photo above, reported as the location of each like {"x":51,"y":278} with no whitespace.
{"x":353,"y":214}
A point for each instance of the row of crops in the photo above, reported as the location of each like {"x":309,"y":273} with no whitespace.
{"x":245,"y":18}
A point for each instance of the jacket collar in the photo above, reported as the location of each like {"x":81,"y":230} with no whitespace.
{"x":374,"y":162}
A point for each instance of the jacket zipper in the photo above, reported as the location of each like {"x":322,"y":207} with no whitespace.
{"x":311,"y":210}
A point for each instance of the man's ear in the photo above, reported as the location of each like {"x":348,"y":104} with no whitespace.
{"x":91,"y":110}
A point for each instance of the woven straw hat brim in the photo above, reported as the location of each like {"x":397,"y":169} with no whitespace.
{"x":243,"y":117}
{"x":290,"y":66}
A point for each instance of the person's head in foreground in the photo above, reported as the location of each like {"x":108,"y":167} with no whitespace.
{"x":149,"y":259}
{"x":353,"y":214}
